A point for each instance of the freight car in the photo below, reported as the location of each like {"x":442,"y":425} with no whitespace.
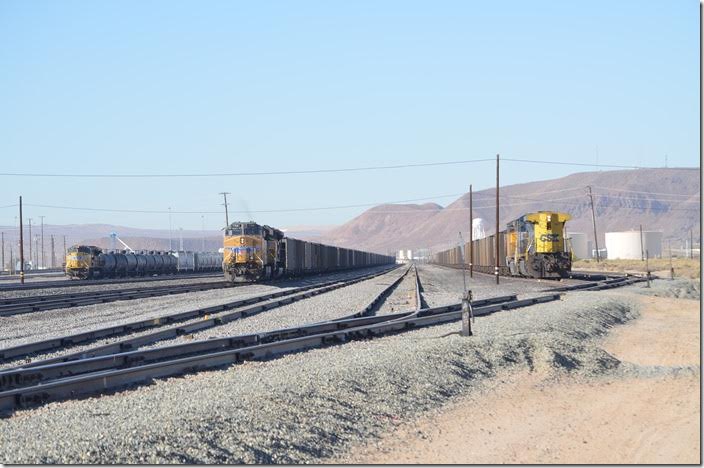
{"x":253,"y":252}
{"x":89,"y":261}
{"x":531,"y":246}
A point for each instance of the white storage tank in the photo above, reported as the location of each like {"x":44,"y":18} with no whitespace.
{"x":627,"y":244}
{"x":478,"y":229}
{"x":578,"y":244}
{"x":409,"y":254}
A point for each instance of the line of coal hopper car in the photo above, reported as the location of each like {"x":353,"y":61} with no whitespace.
{"x":532,"y":246}
{"x":254,"y":252}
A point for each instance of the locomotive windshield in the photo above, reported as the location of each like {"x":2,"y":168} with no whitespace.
{"x":244,"y":229}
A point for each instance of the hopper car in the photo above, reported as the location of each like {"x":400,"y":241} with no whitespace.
{"x":89,"y":261}
{"x":254,"y":252}
{"x":532,"y":246}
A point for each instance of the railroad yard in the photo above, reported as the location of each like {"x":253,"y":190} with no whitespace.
{"x":336,"y":367}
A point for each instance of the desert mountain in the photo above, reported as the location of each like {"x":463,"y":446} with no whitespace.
{"x":663,"y":199}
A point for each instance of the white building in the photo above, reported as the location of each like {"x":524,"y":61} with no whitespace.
{"x":627,"y":244}
{"x":577,"y":242}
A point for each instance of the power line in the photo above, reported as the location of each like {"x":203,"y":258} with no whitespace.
{"x":528,"y":201}
{"x":318,"y":171}
{"x":283,"y":210}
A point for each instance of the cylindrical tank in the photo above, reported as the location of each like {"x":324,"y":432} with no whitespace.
{"x":577,"y":241}
{"x":478,"y":228}
{"x":141,"y":263}
{"x":131,"y":263}
{"x":627,"y":244}
{"x":108,"y":264}
{"x":158,"y":262}
{"x":120,"y":264}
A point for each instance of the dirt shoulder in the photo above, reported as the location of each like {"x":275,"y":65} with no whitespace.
{"x":531,"y":418}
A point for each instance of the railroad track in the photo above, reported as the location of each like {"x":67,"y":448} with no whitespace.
{"x":23,"y":305}
{"x":202,"y":318}
{"x":67,"y":283}
{"x":103,"y":369}
{"x":23,"y":387}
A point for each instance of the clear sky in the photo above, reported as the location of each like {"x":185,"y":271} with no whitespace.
{"x":225,"y":86}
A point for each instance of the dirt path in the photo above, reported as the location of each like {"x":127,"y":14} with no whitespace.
{"x":610,"y":420}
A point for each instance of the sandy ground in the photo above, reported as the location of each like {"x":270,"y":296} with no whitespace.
{"x":532,"y":418}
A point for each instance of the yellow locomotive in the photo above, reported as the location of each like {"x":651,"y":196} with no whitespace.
{"x":532,"y":246}
{"x":82,"y":261}
{"x":252,"y":252}
{"x":535,"y":245}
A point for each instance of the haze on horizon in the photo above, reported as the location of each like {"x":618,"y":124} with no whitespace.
{"x":178,"y":87}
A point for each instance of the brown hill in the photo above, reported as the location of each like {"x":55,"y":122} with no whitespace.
{"x":659,"y":199}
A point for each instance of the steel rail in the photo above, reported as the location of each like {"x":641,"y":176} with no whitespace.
{"x":38,"y":374}
{"x":205,"y":312}
{"x":100,"y":381}
{"x":29,"y":304}
{"x":419,"y":299}
{"x":101,"y":282}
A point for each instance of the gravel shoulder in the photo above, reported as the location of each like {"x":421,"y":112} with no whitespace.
{"x":649,"y":414}
{"x":318,"y":405}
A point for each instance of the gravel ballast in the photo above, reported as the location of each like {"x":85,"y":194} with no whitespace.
{"x":308,"y":406}
{"x":42,"y":325}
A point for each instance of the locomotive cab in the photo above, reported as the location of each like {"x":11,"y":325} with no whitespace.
{"x":82,"y":261}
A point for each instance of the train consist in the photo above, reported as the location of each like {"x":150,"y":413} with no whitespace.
{"x":88,"y":261}
{"x":253,"y":252}
{"x":533,"y":246}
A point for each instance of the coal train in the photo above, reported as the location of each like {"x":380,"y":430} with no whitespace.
{"x":532,"y":246}
{"x":254,"y":252}
{"x":89,"y":261}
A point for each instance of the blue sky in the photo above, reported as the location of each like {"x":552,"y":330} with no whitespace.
{"x":186,"y":87}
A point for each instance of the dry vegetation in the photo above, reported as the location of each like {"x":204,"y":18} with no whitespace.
{"x":684,"y":267}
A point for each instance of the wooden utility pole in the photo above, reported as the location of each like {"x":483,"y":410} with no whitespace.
{"x":3,"y":252}
{"x":30,"y":240}
{"x":596,"y":240}
{"x":471,"y":234}
{"x":53,"y":253}
{"x":496,"y":237}
{"x":227,"y":216}
{"x":21,"y":246}
{"x":42,"y":263}
{"x":642,"y":252}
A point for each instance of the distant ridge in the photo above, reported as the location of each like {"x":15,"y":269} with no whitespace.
{"x":663,"y":199}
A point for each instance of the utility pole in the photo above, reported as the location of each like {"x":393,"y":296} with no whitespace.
{"x":596,"y":240}
{"x":30,"y":240}
{"x":53,"y":253}
{"x":180,"y":239}
{"x":170,"y":236}
{"x":642,"y":252}
{"x":471,"y":233}
{"x":227,"y":217}
{"x":36,"y":252}
{"x":672,"y":270}
{"x":202,"y":232}
{"x":691,"y":244}
{"x":3,"y":252}
{"x":43,"y":264}
{"x":21,"y":246}
{"x":496,"y":238}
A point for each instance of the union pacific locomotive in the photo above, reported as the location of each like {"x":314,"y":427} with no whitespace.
{"x":532,"y":246}
{"x":89,"y":261}
{"x":252,"y":252}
